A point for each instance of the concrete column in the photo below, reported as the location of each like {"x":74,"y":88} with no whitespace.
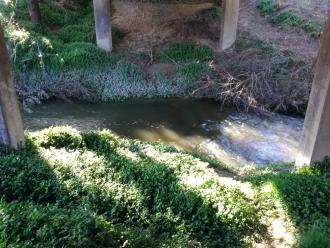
{"x":11,"y":126}
{"x":315,"y":142}
{"x":102,"y":24}
{"x":229,"y":23}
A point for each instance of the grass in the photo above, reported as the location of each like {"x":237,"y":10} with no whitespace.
{"x":193,"y":71}
{"x":288,"y":17}
{"x":186,"y":52}
{"x":191,"y":59}
{"x":65,"y":41}
{"x":94,"y":189}
{"x":60,"y":59}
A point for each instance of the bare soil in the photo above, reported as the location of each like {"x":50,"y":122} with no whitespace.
{"x":317,"y":10}
{"x":285,"y":38}
{"x":151,"y":24}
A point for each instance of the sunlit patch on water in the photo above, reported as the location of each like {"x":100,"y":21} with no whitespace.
{"x":235,"y":138}
{"x":247,"y":139}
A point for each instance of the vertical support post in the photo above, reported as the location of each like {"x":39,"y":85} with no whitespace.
{"x":315,"y":141}
{"x":11,"y":126}
{"x":102,"y":24}
{"x":34,"y":11}
{"x":229,"y":23}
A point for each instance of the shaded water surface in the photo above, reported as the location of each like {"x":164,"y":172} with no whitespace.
{"x":235,"y":138}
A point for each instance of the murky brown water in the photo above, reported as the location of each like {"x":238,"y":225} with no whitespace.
{"x":236,"y":138}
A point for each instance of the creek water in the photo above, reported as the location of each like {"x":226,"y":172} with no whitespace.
{"x":236,"y":138}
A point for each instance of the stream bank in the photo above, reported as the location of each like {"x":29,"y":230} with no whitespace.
{"x":59,"y":60}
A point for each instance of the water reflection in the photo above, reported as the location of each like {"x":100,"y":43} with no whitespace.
{"x":235,"y":138}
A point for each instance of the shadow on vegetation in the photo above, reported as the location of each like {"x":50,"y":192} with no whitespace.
{"x":304,"y":193}
{"x":114,"y":201}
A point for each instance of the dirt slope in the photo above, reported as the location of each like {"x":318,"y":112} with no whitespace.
{"x":150,"y":24}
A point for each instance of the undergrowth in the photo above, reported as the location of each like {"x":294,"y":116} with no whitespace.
{"x":69,"y":189}
{"x":94,"y":189}
{"x":303,"y":195}
{"x":65,"y":40}
{"x":288,"y":17}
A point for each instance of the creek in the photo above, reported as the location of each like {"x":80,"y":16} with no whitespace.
{"x":236,"y":138}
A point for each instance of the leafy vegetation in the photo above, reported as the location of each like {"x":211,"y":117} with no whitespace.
{"x":65,"y":40}
{"x":294,"y":19}
{"x":97,"y":190}
{"x":288,"y":17}
{"x":268,"y":7}
{"x":304,"y":195}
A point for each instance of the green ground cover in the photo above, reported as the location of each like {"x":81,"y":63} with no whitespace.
{"x":94,"y":189}
{"x":60,"y":59}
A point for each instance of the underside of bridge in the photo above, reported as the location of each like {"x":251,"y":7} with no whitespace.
{"x":315,"y":143}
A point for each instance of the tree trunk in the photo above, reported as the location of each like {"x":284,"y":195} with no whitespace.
{"x":11,"y":126}
{"x":34,"y":11}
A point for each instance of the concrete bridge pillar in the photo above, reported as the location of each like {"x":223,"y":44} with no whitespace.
{"x":229,"y":23}
{"x":11,"y":126}
{"x":315,"y":142}
{"x":102,"y":24}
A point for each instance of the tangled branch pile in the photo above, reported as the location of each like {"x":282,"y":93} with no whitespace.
{"x":256,"y":76}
